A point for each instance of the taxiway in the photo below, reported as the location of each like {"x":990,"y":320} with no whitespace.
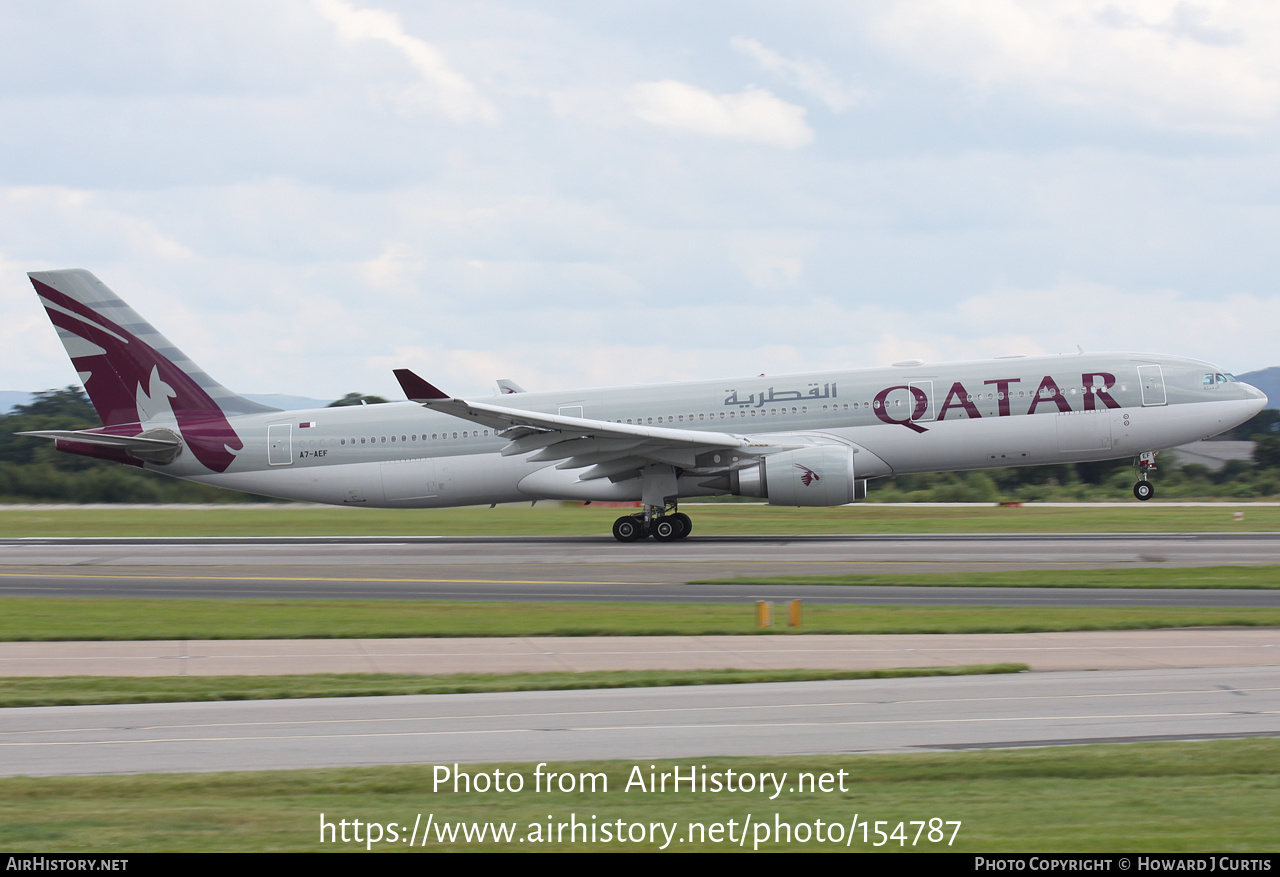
{"x":898,"y":715}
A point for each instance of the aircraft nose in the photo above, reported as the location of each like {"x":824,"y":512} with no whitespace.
{"x":1257,"y":396}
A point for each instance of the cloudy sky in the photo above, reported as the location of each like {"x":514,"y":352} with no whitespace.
{"x":305,"y":194}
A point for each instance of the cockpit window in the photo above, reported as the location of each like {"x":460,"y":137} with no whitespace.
{"x":1208,"y":380}
{"x":1222,"y":379}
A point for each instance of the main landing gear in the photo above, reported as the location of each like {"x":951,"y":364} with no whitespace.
{"x":1144,"y":489}
{"x":660,"y":519}
{"x":664,"y":525}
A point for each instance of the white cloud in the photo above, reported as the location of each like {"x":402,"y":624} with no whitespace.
{"x":282,"y":229}
{"x":811,"y":77}
{"x":442,"y":89}
{"x":58,"y":214}
{"x":754,"y":114}
{"x":771,"y":261}
{"x":394,"y":268}
{"x":1236,"y":333}
{"x":30,"y":355}
{"x":1179,"y":63}
{"x":781,"y":337}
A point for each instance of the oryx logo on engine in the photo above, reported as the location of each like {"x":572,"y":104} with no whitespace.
{"x":809,"y":475}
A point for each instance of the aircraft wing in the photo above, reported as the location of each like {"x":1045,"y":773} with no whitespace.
{"x":604,"y":448}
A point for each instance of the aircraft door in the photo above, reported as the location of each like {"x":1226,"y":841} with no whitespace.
{"x":904,"y":404}
{"x":922,"y":392}
{"x":280,"y":444}
{"x":1152,"y":379}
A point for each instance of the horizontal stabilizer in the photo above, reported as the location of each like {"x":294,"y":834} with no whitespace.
{"x":98,"y":438}
{"x":156,"y":445}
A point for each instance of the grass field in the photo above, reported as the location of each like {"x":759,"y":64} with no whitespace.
{"x":561,"y":519}
{"x":45,"y":618}
{"x":77,"y":690}
{"x":1219,"y":796}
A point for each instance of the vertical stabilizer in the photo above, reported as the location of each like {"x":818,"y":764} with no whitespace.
{"x":132,"y":373}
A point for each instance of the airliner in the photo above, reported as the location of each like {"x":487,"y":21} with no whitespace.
{"x":795,"y":440}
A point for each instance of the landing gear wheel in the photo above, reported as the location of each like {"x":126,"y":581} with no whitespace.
{"x":667,"y":529}
{"x":627,"y":529}
{"x":685,"y":522}
{"x":1143,"y":490}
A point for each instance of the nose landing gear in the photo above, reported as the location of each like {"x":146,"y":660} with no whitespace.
{"x":1144,"y":489}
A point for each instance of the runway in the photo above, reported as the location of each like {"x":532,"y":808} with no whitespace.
{"x":903,"y":715}
{"x":1224,"y":699}
{"x":598,"y":568}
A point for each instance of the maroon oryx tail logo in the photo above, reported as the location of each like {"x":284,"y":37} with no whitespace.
{"x":132,"y":372}
{"x":809,"y":475}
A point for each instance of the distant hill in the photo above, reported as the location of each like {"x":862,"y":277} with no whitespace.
{"x":9,"y":398}
{"x":1268,"y":381}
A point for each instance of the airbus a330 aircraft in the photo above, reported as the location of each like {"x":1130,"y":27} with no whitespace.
{"x":802,"y":440}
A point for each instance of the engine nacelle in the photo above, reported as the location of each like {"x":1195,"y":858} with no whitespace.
{"x":817,"y":476}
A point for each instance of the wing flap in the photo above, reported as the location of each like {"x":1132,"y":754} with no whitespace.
{"x":604,"y":449}
{"x":611,"y":470}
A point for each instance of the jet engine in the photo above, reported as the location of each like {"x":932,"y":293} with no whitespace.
{"x":814,"y":476}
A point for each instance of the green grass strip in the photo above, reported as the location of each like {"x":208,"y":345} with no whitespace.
{"x":1242,"y":577}
{"x":569,"y":519}
{"x":1221,"y":795}
{"x":24,"y":619}
{"x":76,"y":690}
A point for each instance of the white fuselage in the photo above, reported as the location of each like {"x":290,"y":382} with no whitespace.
{"x":897,"y":420}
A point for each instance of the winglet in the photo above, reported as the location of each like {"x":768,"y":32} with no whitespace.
{"x":415,"y":388}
